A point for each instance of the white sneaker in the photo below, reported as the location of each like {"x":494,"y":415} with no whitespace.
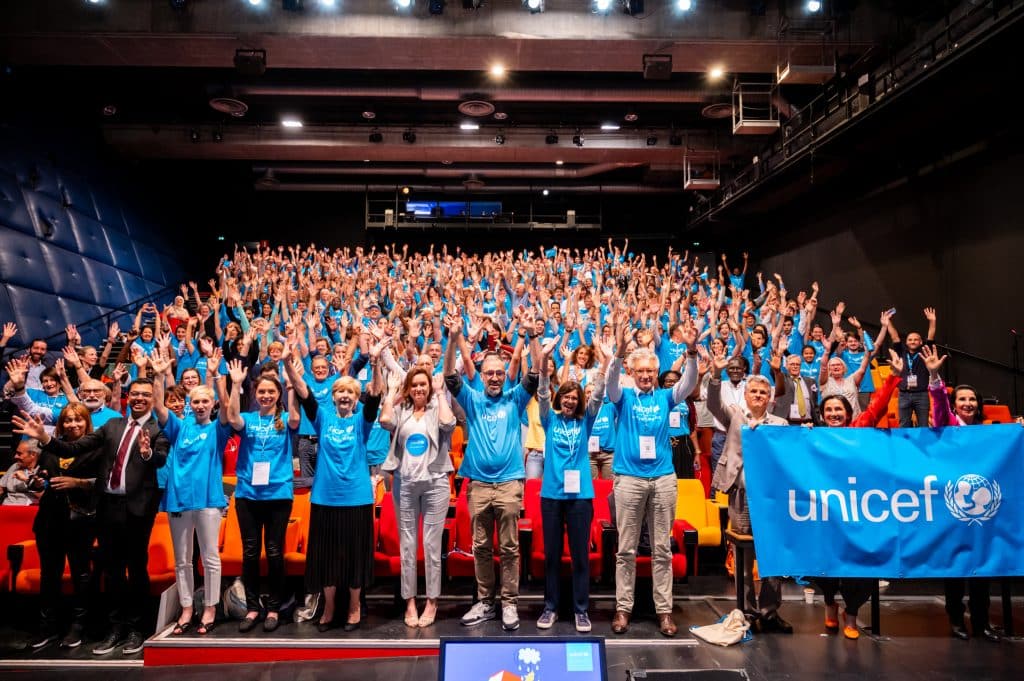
{"x":583,"y":622}
{"x":510,"y":618}
{"x":547,"y":619}
{"x":480,"y":612}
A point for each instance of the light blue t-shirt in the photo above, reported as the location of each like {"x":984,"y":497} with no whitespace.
{"x":565,"y":448}
{"x":261,"y":441}
{"x":195,"y":464}
{"x":495,"y":451}
{"x":643,"y":415}
{"x":604,"y":427}
{"x":343,"y":463}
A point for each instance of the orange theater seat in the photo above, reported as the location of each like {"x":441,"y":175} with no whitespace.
{"x":536,"y":548}
{"x":161,"y":555}
{"x":15,"y":526}
{"x":295,"y":560}
{"x":28,"y":577}
{"x":996,"y":413}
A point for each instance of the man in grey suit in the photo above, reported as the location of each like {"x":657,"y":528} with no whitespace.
{"x":729,"y":476}
{"x":796,"y":397}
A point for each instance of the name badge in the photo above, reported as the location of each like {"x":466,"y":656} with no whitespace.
{"x":912,"y":380}
{"x":674,"y":419}
{"x":647,"y":447}
{"x":572,"y":482}
{"x":260,"y":473}
{"x":593,"y":444}
{"x":363,"y":373}
{"x":794,"y":411}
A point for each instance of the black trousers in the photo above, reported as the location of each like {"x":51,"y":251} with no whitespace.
{"x":682,"y":456}
{"x":978,"y":588}
{"x":263,"y":522}
{"x":572,"y":516}
{"x":71,"y":540}
{"x":124,"y":555}
{"x":855,"y":592}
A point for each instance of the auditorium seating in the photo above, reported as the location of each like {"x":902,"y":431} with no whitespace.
{"x":996,"y":413}
{"x":295,"y":559}
{"x":231,"y":542}
{"x":534,"y":549}
{"x":15,"y":526}
{"x":701,"y":513}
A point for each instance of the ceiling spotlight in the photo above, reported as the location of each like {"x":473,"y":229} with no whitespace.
{"x":469,"y":126}
{"x":218,"y":136}
{"x":545,"y":192}
{"x":499,"y":139}
{"x":559,"y":162}
{"x":497,"y":70}
{"x":328,"y":4}
{"x":675,"y":139}
{"x":716,"y":72}
{"x":602,"y":6}
{"x":813,"y":6}
{"x":255,"y":3}
{"x":500,"y":115}
{"x":291,"y":123}
{"x":405,"y":190}
{"x":436,"y":7}
{"x":193,"y":135}
{"x":633,"y":7}
{"x":551,"y":139}
{"x":630,"y":117}
{"x":376,"y":137}
{"x":534,"y":6}
{"x":652,"y":141}
{"x":110,"y":110}
{"x":403,"y":4}
{"x":684,"y":5}
{"x":577,"y":139}
{"x":409,"y":137}
{"x":369,"y":115}
{"x":609,"y":126}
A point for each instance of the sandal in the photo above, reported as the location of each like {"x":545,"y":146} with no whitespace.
{"x":181,"y":627}
{"x":206,"y":627}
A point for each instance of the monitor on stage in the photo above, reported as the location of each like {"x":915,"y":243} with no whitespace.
{"x":522,"y":659}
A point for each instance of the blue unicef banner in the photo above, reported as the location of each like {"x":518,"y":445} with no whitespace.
{"x":906,"y":502}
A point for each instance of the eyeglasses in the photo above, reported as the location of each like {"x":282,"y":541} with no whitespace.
{"x":495,"y":372}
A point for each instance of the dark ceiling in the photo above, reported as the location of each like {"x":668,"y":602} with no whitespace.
{"x":143,"y":75}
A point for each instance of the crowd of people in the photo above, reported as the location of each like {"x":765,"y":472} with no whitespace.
{"x":336,"y":367}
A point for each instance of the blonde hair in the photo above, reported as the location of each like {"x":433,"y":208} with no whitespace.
{"x":201,"y":391}
{"x":347,"y":383}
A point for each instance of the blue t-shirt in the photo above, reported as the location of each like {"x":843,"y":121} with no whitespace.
{"x":604,"y":427}
{"x":52,"y":402}
{"x":195,"y":464}
{"x":343,"y":463}
{"x":683,"y":429}
{"x":494,"y":452}
{"x":103,"y":415}
{"x":853,"y":360}
{"x":668,"y":352}
{"x":565,"y":448}
{"x":321,"y":391}
{"x":261,"y":441}
{"x":643,"y":415}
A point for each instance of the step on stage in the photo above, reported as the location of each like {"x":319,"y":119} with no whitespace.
{"x":388,"y":637}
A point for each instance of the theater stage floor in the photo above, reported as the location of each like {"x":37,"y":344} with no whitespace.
{"x":915,"y":645}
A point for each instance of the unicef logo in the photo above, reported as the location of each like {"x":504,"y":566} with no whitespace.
{"x":973,"y":498}
{"x":417,"y":444}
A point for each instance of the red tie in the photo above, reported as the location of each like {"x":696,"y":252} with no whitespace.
{"x":122,"y":454}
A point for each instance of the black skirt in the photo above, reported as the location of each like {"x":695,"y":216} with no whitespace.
{"x":339,"y":552}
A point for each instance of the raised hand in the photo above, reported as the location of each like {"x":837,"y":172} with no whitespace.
{"x":161,"y":364}
{"x":689,"y":335}
{"x":237,"y":372}
{"x":58,"y":366}
{"x":71,"y":357}
{"x":929,"y":314}
{"x":113,"y":332}
{"x":932,"y":359}
{"x":10,"y":331}
{"x":896,"y":363}
{"x":854,"y":322}
{"x":143,"y":441}
{"x":549,"y":347}
{"x":437,"y":383}
{"x":32,"y":426}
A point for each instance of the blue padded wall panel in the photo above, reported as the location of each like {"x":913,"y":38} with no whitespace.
{"x":79,"y":314}
{"x":22,"y":262}
{"x":108,"y":208}
{"x":67,"y":273}
{"x":35,"y":173}
{"x":92,"y":242}
{"x":7,"y":313}
{"x":13,"y":211}
{"x":76,"y":190}
{"x":38,"y":316}
{"x":123,"y":251}
{"x":134,"y":287}
{"x":51,"y":220}
{"x":108,"y":291}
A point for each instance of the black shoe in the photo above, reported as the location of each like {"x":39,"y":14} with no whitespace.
{"x":44,"y":640}
{"x":247,"y":625}
{"x":271,"y":623}
{"x":73,"y":638}
{"x":325,"y":626}
{"x":775,"y":624}
{"x":958,"y":631}
{"x":133,"y":643}
{"x":108,"y":644}
{"x":351,"y":626}
{"x":989,"y":634}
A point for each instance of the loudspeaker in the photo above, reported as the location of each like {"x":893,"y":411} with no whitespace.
{"x":570,"y":218}
{"x":389,"y":217}
{"x":657,"y":66}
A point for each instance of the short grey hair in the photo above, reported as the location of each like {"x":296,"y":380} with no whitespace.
{"x":642,"y":354}
{"x":758,"y":378}
{"x":32,"y":443}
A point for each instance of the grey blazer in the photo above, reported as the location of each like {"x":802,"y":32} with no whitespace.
{"x":729,"y":473}
{"x":439,"y":434}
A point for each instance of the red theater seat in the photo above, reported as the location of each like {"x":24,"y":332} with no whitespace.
{"x":535,"y":550}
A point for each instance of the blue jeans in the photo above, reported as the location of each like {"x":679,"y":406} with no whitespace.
{"x":574,"y":516}
{"x":913,"y":403}
{"x":534,"y":464}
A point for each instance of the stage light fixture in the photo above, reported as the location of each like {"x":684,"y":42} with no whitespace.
{"x":376,"y":137}
{"x":551,"y":139}
{"x":436,"y":7}
{"x":405,"y":190}
{"x":813,"y":6}
{"x":652,"y":141}
{"x":409,"y":137}
{"x":469,"y":126}
{"x":292,"y":5}
{"x":193,"y":135}
{"x":716,"y":72}
{"x":472,"y":4}
{"x":178,"y":5}
{"x":497,"y":70}
{"x":403,"y":4}
{"x":577,"y":139}
{"x":684,"y":5}
{"x":559,"y":162}
{"x":499,"y":139}
{"x":609,"y":127}
{"x":255,"y":3}
{"x":291,"y":122}
{"x":602,"y":6}
{"x":675,"y":139}
{"x":534,"y":6}
{"x":218,"y":136}
{"x":633,"y":7}
{"x":328,"y":4}
{"x":545,"y":192}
